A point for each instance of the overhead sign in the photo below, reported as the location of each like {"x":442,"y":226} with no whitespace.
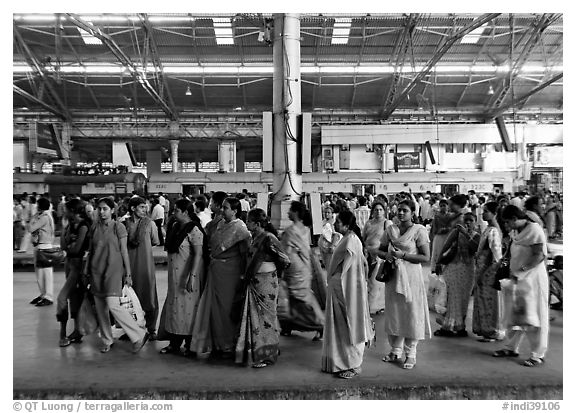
{"x":408,"y":160}
{"x":42,"y":139}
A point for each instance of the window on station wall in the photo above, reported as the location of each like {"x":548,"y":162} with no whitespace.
{"x":449,"y":148}
{"x":459,"y":148}
{"x":470,"y":148}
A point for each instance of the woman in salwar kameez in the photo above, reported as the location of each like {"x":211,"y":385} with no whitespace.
{"x":305,"y":313}
{"x":142,"y":235}
{"x":371,"y":234}
{"x":528,"y":275}
{"x":406,"y":319}
{"x":219,"y":312}
{"x":184,"y":244}
{"x":348,"y":327}
{"x":259,"y":338}
{"x":486,"y":315}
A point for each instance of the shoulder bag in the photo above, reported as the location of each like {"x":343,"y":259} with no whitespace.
{"x":49,"y":257}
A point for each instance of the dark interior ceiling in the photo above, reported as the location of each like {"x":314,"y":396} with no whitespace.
{"x":159,"y":56}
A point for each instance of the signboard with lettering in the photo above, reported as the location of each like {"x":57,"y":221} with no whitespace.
{"x":168,"y":188}
{"x":483,"y":187}
{"x":42,"y":139}
{"x":396,"y":187}
{"x":408,"y":160}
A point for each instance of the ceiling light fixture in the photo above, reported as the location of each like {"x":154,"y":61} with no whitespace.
{"x":188,"y":91}
{"x":490,"y":89}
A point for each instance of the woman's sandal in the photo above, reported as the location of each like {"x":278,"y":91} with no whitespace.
{"x":75,"y":337}
{"x":505,"y":353}
{"x":347,"y":374}
{"x":391,"y":358}
{"x":533,"y":362}
{"x":260,"y":365}
{"x":409,"y":363}
{"x":318,"y":336}
{"x":169,"y":350}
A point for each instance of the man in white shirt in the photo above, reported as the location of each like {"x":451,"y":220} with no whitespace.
{"x":518,"y":200}
{"x":362,"y":213}
{"x":203,"y":214}
{"x":157,"y":216}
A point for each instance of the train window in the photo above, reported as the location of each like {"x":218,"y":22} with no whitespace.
{"x":369,"y":147}
{"x":482,"y":147}
{"x":459,"y":148}
{"x":449,"y":148}
{"x":497,"y":147}
{"x":417,"y":148}
{"x":345,"y":147}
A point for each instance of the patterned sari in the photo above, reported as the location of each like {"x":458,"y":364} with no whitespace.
{"x":218,"y":315}
{"x":259,"y":336}
{"x":486,"y":316}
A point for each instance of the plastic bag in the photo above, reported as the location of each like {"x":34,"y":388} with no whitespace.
{"x":130,"y":302}
{"x":86,"y":319}
{"x":437,"y":294}
{"x":524,"y":312}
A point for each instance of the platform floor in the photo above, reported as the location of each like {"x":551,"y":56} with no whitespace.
{"x":448,"y":368}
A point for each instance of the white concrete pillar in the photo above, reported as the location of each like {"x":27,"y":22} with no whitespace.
{"x":174,"y":154}
{"x":286,"y":106}
{"x":227,"y":156}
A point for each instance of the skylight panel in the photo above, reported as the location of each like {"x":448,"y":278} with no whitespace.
{"x":474,"y":36}
{"x":223,"y":31}
{"x":87,"y":37}
{"x":341,"y":31}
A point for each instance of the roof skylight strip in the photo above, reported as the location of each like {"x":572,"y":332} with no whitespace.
{"x":341,"y":31}
{"x":223,"y":31}
{"x":474,"y":36}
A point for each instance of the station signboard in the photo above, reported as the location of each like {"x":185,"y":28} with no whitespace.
{"x":166,"y":187}
{"x":408,"y":160}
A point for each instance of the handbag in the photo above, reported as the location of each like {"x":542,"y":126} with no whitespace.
{"x":86,"y":319}
{"x":49,"y":257}
{"x":524,"y":311}
{"x":386,"y":272}
{"x":503,"y":270}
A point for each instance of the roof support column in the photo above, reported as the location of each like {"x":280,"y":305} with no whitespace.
{"x":286,"y":107}
{"x":174,"y":154}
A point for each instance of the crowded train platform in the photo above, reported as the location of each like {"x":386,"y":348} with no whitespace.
{"x":288,"y":206}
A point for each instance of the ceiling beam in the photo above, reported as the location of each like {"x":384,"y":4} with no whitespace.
{"x":449,"y":42}
{"x":41,"y":72}
{"x":125,"y":60}
{"x":522,"y":98}
{"x":398,"y":56}
{"x":537,"y":30}
{"x":157,"y":61}
{"x":40,"y":102}
{"x":87,"y":86}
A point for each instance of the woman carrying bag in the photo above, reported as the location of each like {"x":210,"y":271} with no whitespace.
{"x":406,"y":319}
{"x":526,"y":293}
{"x":458,"y":257}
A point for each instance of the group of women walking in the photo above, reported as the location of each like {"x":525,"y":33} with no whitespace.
{"x":235,"y":287}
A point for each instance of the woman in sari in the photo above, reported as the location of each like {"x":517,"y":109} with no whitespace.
{"x":184,"y":244}
{"x":439,"y":232}
{"x":349,"y":327}
{"x":142,"y":235}
{"x":304,"y":312}
{"x":371,"y":234}
{"x":486,"y":316}
{"x":406,"y":319}
{"x":218,"y":316}
{"x":459,"y":272}
{"x":526,"y":293}
{"x":259,"y":338}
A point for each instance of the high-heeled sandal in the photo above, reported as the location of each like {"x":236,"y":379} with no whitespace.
{"x":409,"y":365}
